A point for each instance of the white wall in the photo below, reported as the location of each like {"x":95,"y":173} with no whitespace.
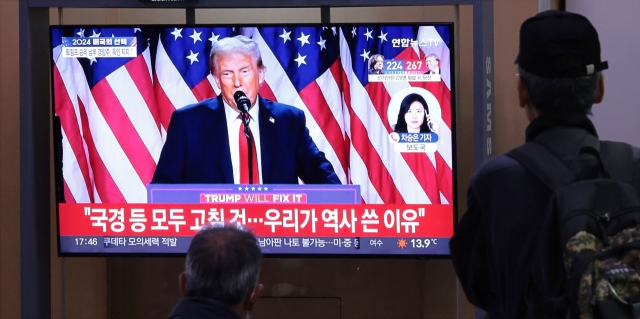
{"x":618,"y":25}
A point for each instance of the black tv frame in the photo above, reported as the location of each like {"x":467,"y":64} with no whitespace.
{"x":35,"y":131}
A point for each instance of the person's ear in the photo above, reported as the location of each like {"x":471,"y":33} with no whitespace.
{"x":525,"y":101}
{"x":600,"y":94}
{"x":523,"y":92}
{"x":260,"y":75}
{"x":255,"y":294}
{"x":182,"y":279}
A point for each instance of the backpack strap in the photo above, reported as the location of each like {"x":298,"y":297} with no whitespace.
{"x":617,"y":158}
{"x":543,"y":164}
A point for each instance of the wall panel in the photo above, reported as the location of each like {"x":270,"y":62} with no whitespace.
{"x":510,"y":120}
{"x":9,"y":161}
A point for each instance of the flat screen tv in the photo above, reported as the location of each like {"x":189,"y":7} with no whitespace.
{"x":373,"y":103}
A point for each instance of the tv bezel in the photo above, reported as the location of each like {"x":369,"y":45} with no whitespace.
{"x":57,"y":150}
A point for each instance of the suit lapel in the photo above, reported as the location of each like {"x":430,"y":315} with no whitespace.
{"x":221,"y":146}
{"x":267,"y":138}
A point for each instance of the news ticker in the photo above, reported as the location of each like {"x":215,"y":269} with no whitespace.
{"x":268,"y":245}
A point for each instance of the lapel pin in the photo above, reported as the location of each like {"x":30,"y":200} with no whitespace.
{"x":272,"y":120}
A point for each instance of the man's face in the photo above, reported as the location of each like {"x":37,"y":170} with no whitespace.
{"x":237,"y":72}
{"x":432,"y":64}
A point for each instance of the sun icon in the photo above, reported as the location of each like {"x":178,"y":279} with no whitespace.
{"x":402,"y":243}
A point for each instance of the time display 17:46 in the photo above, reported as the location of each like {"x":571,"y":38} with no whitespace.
{"x":404,"y":66}
{"x":86,"y":241}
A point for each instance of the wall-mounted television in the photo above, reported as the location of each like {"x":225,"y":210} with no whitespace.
{"x":145,"y":152}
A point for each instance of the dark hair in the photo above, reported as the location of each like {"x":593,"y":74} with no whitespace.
{"x":401,"y":124}
{"x":565,"y":94}
{"x":223,"y":263}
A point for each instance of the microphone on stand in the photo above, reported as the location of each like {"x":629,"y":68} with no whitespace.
{"x":242,"y":101}
{"x":244,"y":104}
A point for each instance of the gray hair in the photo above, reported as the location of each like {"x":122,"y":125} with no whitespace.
{"x":223,"y":263}
{"x":238,"y":44}
{"x":432,"y":55}
{"x":549,"y":95}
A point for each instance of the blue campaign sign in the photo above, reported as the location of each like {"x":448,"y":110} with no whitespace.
{"x":193,"y":193}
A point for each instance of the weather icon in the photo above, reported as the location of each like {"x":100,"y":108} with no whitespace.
{"x":402,"y":243}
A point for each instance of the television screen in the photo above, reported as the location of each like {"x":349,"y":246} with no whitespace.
{"x":321,"y":139}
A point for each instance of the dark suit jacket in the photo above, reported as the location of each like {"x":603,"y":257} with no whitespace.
{"x":197,"y":147}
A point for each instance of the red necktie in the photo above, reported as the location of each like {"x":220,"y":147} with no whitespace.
{"x":244,"y":156}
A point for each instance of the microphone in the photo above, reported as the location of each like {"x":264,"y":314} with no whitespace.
{"x":243,"y":104}
{"x":242,"y":101}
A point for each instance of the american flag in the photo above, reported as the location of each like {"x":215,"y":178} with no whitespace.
{"x":114,"y":112}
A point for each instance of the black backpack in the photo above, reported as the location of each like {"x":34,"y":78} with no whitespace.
{"x":586,"y":261}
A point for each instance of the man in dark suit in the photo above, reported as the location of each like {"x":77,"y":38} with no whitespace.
{"x":204,"y":140}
